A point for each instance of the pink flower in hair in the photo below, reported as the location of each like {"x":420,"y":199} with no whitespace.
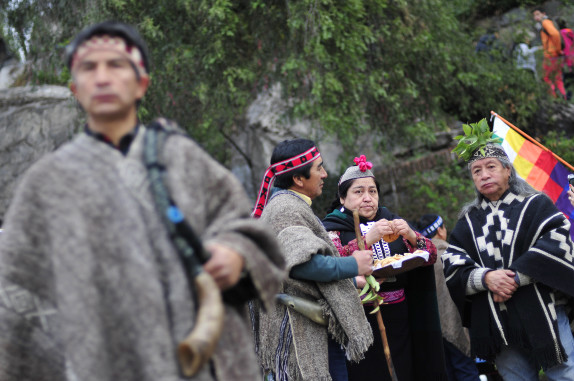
{"x":363,"y":164}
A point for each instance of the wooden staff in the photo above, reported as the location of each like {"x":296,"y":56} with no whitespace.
{"x":382,"y":328}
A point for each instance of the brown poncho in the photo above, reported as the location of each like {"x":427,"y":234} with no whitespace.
{"x":289,"y":344}
{"x":91,"y":287}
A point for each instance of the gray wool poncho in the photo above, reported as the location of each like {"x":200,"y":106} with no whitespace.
{"x":450,"y":321}
{"x":91,"y":288}
{"x":289,"y":344}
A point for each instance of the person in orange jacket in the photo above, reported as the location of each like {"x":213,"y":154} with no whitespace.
{"x":551,"y":43}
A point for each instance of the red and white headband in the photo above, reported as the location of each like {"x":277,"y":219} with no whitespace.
{"x":109,"y":43}
{"x":277,"y":169}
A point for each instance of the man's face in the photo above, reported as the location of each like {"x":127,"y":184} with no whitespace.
{"x":362,"y":195}
{"x":106,"y":85}
{"x":313,"y":186}
{"x":538,"y":16}
{"x":490,"y":177}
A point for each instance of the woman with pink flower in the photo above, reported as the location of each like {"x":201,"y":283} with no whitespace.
{"x":410,"y":311}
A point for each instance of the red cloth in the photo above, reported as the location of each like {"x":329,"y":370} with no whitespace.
{"x":553,"y":75}
{"x":568,"y":38}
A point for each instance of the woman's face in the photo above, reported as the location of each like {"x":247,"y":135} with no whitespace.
{"x":362,"y":195}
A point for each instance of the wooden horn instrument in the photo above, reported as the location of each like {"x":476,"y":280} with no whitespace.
{"x":198,"y":347}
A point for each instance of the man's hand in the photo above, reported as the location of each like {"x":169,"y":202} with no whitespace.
{"x":501,"y":283}
{"x":361,"y":281}
{"x":225,"y":265}
{"x":364,"y":260}
{"x":499,"y":299}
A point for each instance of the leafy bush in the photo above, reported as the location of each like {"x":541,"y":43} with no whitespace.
{"x":390,"y":70}
{"x":443,"y":192}
{"x":561,"y":145}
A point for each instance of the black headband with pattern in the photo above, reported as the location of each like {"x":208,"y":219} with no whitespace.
{"x":489,"y":150}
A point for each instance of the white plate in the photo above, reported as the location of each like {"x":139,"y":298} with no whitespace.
{"x":407,"y":263}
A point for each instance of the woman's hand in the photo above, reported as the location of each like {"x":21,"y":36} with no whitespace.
{"x":361,"y":281}
{"x":378,"y":230}
{"x":385,"y":227}
{"x":571,"y":194}
{"x":402,"y":228}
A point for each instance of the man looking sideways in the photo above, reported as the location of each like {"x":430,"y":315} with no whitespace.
{"x":290,"y":345}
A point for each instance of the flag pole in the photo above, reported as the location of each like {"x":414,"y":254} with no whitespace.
{"x":533,"y":140}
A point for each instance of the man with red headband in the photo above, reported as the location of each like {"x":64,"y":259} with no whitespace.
{"x":290,"y":345}
{"x":92,"y":281}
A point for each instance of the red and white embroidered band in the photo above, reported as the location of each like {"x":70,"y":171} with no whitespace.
{"x":278,"y":169}
{"x":116,"y":44}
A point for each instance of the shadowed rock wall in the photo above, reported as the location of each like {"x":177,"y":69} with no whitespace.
{"x":33,"y":122}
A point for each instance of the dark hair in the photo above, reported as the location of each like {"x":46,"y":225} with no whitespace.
{"x":286,"y":150}
{"x":342,"y":193}
{"x":561,"y":23}
{"x":425,"y":221}
{"x":539,"y":9}
{"x":113,"y":29}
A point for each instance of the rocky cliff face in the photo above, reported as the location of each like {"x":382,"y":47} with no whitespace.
{"x":37,"y":120}
{"x":33,"y":122}
{"x":266,"y":126}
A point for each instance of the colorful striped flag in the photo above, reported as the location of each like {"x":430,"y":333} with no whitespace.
{"x":537,"y":166}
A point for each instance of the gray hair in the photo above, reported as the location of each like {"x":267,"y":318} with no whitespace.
{"x":516,"y":185}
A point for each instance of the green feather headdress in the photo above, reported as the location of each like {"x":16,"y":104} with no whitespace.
{"x":476,"y":137}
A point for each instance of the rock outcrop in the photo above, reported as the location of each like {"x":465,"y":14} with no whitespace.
{"x":33,"y":122}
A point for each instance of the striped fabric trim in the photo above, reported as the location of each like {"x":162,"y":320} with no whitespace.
{"x":518,"y":226}
{"x":381,"y":248}
{"x":282,"y":351}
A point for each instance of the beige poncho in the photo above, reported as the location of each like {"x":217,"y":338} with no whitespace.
{"x":288,"y":343}
{"x":90,"y":285}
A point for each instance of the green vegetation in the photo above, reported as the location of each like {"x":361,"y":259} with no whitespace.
{"x":389,"y":69}
{"x":476,"y":135}
{"x":395,"y":71}
{"x":443,"y":192}
{"x":561,"y":145}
